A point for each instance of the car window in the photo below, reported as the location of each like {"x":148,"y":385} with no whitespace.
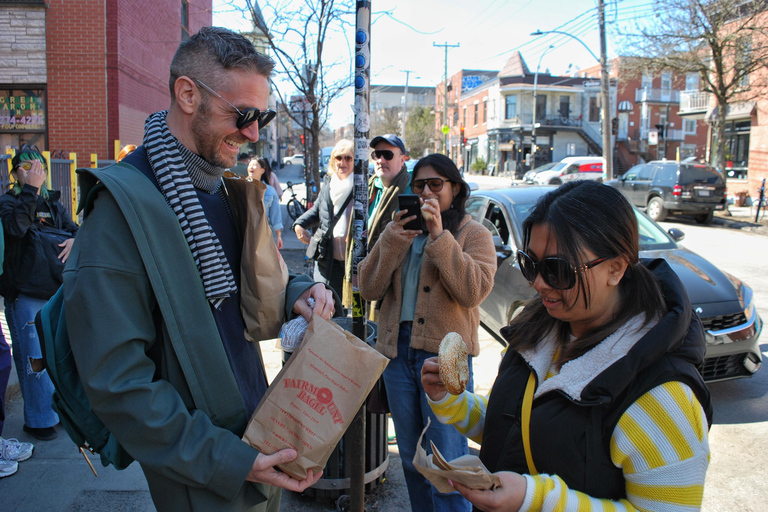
{"x":498,"y":224}
{"x":573,"y":168}
{"x":666,"y":175}
{"x":652,"y":237}
{"x":631,"y":175}
{"x":474,"y":207}
{"x":698,"y":174}
{"x":645,"y":172}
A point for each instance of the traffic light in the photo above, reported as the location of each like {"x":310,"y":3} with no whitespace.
{"x":302,"y":138}
{"x":463,"y":138}
{"x":614,"y":126}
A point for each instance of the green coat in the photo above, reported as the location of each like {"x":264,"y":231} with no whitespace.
{"x":191,"y":453}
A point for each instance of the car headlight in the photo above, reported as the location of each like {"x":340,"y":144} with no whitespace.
{"x":747,"y":302}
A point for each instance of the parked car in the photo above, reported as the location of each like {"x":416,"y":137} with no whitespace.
{"x":572,"y":168}
{"x":724,"y":303}
{"x":530,"y":175}
{"x":662,"y":187}
{"x":294,"y":160}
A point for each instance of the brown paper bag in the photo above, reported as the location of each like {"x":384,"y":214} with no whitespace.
{"x":467,"y":469}
{"x":313,"y":399}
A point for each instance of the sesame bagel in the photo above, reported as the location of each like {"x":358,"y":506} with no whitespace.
{"x":452,"y":359}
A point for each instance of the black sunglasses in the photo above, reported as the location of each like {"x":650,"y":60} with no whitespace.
{"x":384,"y":153}
{"x":339,"y":158}
{"x":556,"y":272}
{"x":246,"y":116}
{"x":435,"y":184}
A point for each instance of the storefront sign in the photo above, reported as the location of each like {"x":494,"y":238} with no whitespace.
{"x":22,"y":110}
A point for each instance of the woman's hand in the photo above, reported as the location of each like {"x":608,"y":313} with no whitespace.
{"x":435,"y":224}
{"x":398,"y":222}
{"x":302,"y":234}
{"x":324,"y":303}
{"x":507,"y":497}
{"x":430,"y":380}
{"x":35,"y":176}
{"x":66,"y":248}
{"x":279,"y":240}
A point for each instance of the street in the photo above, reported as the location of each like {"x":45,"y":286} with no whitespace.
{"x":56,"y":478}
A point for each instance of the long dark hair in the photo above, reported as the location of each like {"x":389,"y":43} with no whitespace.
{"x":587,"y":215}
{"x":267,"y":170}
{"x":445,"y":167}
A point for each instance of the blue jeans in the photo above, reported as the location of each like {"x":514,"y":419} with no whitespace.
{"x":5,"y":375}
{"x":410,"y":411}
{"x":36,"y":387}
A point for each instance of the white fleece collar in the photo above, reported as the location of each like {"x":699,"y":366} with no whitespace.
{"x":575,"y":375}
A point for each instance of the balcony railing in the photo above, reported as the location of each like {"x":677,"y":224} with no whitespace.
{"x":549,"y":121}
{"x":657,"y":95}
{"x":695,"y":101}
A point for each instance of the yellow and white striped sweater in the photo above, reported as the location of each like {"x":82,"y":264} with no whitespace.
{"x":660,"y":443}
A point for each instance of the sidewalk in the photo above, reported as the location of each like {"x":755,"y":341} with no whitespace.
{"x":57,"y":479}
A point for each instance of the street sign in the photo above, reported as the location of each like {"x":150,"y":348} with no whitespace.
{"x":445,"y":129}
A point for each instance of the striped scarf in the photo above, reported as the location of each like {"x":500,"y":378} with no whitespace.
{"x":176,"y":168}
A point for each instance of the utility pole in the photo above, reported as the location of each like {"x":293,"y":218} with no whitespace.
{"x":605,"y":85}
{"x":445,"y":95}
{"x":405,"y":104}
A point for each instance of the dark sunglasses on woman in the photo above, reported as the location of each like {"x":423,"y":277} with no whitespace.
{"x":556,"y":272}
{"x":435,"y":184}
{"x":339,"y":158}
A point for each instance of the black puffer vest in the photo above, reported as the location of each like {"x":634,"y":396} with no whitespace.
{"x":571,"y":437}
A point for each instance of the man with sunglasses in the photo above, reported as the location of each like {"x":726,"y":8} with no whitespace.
{"x":183,"y":421}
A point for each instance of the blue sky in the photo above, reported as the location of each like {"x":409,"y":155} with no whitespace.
{"x":488,"y":32}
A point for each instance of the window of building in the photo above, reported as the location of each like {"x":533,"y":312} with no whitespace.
{"x":485,"y":111}
{"x":476,"y":109}
{"x":184,"y":20}
{"x":646,"y":81}
{"x":465,"y":117}
{"x":692,"y":82}
{"x":455,"y":117}
{"x":594,"y":110}
{"x":23,"y":118}
{"x":687,"y":150}
{"x":541,"y":107}
{"x":737,"y":148}
{"x":511,"y":106}
{"x":666,"y":82}
{"x":565,"y":106}
{"x":689,"y":126}
{"x":570,"y":149}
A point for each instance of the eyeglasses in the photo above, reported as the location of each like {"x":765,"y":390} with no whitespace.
{"x":26,"y":165}
{"x":384,"y":153}
{"x":246,"y":116}
{"x":435,"y":184}
{"x":339,"y":158}
{"x":556,"y":272}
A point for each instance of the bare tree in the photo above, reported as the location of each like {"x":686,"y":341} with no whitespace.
{"x":420,"y":130}
{"x":724,"y":41}
{"x":296,"y":32}
{"x":386,"y":120}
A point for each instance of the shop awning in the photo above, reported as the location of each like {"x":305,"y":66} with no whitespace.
{"x":626,"y":106}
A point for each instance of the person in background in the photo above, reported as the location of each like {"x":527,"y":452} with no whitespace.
{"x":38,"y":237}
{"x":12,"y":451}
{"x":191,"y":452}
{"x":598,"y":403}
{"x":241,"y":167}
{"x":256,"y":171}
{"x":390,"y":179}
{"x":334,"y":200}
{"x":432,"y":282}
{"x":270,"y":177}
{"x":127,"y":150}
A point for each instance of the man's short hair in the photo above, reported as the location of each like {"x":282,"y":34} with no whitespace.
{"x":213,"y":49}
{"x":243,"y":156}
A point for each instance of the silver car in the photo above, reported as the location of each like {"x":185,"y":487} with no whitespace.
{"x":725,"y":304}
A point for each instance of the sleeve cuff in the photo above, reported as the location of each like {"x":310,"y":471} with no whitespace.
{"x":530,"y":491}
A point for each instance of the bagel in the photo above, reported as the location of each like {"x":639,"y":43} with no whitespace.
{"x":452,"y":359}
{"x":424,"y":213}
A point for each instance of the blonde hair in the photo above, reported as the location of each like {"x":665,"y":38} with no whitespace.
{"x":341,"y":147}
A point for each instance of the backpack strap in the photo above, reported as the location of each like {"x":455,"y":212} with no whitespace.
{"x":187,"y":316}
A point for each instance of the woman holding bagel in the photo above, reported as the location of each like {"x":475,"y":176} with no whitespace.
{"x":431,"y":281}
{"x":598,"y":403}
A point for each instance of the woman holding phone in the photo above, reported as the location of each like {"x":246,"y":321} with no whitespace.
{"x":432,"y":282}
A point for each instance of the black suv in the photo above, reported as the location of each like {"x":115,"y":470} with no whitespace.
{"x":664,"y":187}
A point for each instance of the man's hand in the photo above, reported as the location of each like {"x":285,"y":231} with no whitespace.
{"x":302,"y":234}
{"x":264,"y":471}
{"x":508,"y":496}
{"x":430,"y":380}
{"x":324,"y":304}
{"x":67,"y":247}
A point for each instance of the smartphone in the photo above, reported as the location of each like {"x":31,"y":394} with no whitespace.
{"x":411,"y":203}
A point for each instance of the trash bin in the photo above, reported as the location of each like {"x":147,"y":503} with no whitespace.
{"x":336,"y":475}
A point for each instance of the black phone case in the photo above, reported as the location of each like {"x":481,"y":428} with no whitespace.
{"x":411,"y":203}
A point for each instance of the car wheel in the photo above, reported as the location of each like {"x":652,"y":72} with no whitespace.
{"x":706,"y":218}
{"x":555,"y":181}
{"x":656,"y":210}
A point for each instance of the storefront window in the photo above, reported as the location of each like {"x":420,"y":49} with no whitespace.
{"x":23,"y":118}
{"x":737,"y":149}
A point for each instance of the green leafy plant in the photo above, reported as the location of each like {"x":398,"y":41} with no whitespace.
{"x":479,"y":165}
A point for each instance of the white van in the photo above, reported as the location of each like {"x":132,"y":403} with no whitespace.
{"x":572,"y":168}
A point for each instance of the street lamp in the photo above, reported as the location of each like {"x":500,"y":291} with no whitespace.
{"x":605,"y":93}
{"x":533,"y":129}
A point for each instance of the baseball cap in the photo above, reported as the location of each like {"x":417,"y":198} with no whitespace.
{"x":390,"y":138}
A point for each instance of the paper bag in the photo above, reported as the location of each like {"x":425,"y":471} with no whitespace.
{"x":313,"y":399}
{"x":467,"y":469}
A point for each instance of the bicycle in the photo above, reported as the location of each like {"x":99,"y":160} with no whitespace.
{"x":295,"y":207}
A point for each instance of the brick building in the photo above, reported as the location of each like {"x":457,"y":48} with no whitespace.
{"x":77,"y":75}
